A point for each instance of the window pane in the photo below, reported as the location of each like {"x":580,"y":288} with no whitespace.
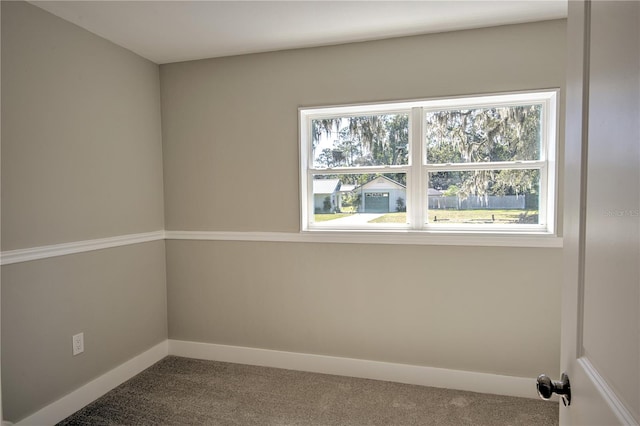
{"x":360,"y":199}
{"x":484,"y":197}
{"x":509,"y":133}
{"x":371,"y":140}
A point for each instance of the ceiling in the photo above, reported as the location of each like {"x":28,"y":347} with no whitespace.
{"x":173,"y":31}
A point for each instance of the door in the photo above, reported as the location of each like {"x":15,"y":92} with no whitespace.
{"x":376,"y":202}
{"x":601,"y":293}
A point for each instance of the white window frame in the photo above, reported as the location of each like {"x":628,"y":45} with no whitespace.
{"x":417,"y":169}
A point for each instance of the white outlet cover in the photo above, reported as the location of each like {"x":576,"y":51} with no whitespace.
{"x":78,"y":344}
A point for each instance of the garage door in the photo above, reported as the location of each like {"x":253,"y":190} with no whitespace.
{"x":376,"y":202}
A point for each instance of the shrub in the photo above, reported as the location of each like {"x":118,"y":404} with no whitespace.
{"x":326,"y":205}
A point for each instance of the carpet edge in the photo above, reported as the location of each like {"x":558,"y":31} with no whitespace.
{"x":365,"y":369}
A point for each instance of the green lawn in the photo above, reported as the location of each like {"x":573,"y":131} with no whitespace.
{"x":323,"y":217}
{"x":391,"y":218}
{"x":484,"y":216}
{"x":468,"y":216}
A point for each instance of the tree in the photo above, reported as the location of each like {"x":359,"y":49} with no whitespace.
{"x":363,"y":140}
{"x":485,"y":135}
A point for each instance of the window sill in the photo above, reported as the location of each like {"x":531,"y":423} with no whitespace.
{"x":485,"y":239}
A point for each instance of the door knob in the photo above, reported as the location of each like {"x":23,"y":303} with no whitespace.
{"x":547,"y":387}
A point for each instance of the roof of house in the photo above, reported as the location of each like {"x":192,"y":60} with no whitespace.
{"x":329,"y":186}
{"x":325,"y":186}
{"x":382,"y":181}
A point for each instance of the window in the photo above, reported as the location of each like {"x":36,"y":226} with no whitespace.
{"x":483,"y":164}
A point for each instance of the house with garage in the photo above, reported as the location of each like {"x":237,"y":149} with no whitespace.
{"x":381,"y":195}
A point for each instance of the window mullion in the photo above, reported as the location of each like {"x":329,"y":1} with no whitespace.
{"x":416,"y":204}
{"x":543,"y":207}
{"x":360,"y":170}
{"x":306,"y":189}
{"x":502,"y":165}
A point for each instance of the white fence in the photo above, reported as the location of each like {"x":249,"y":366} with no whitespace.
{"x":477,"y":202}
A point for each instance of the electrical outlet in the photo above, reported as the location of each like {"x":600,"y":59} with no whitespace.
{"x":78,"y":344}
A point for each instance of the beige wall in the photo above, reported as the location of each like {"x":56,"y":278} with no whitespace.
{"x":404,"y":304}
{"x":117,"y":297}
{"x":80,"y":134}
{"x":231,"y":164}
{"x":81,"y":159}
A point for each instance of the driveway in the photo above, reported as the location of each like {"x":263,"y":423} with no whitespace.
{"x":356,"y":219}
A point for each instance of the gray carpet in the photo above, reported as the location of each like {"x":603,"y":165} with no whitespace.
{"x":181,"y":391}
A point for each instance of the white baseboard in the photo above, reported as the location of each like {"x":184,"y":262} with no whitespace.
{"x":401,"y":373}
{"x":69,"y":404}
